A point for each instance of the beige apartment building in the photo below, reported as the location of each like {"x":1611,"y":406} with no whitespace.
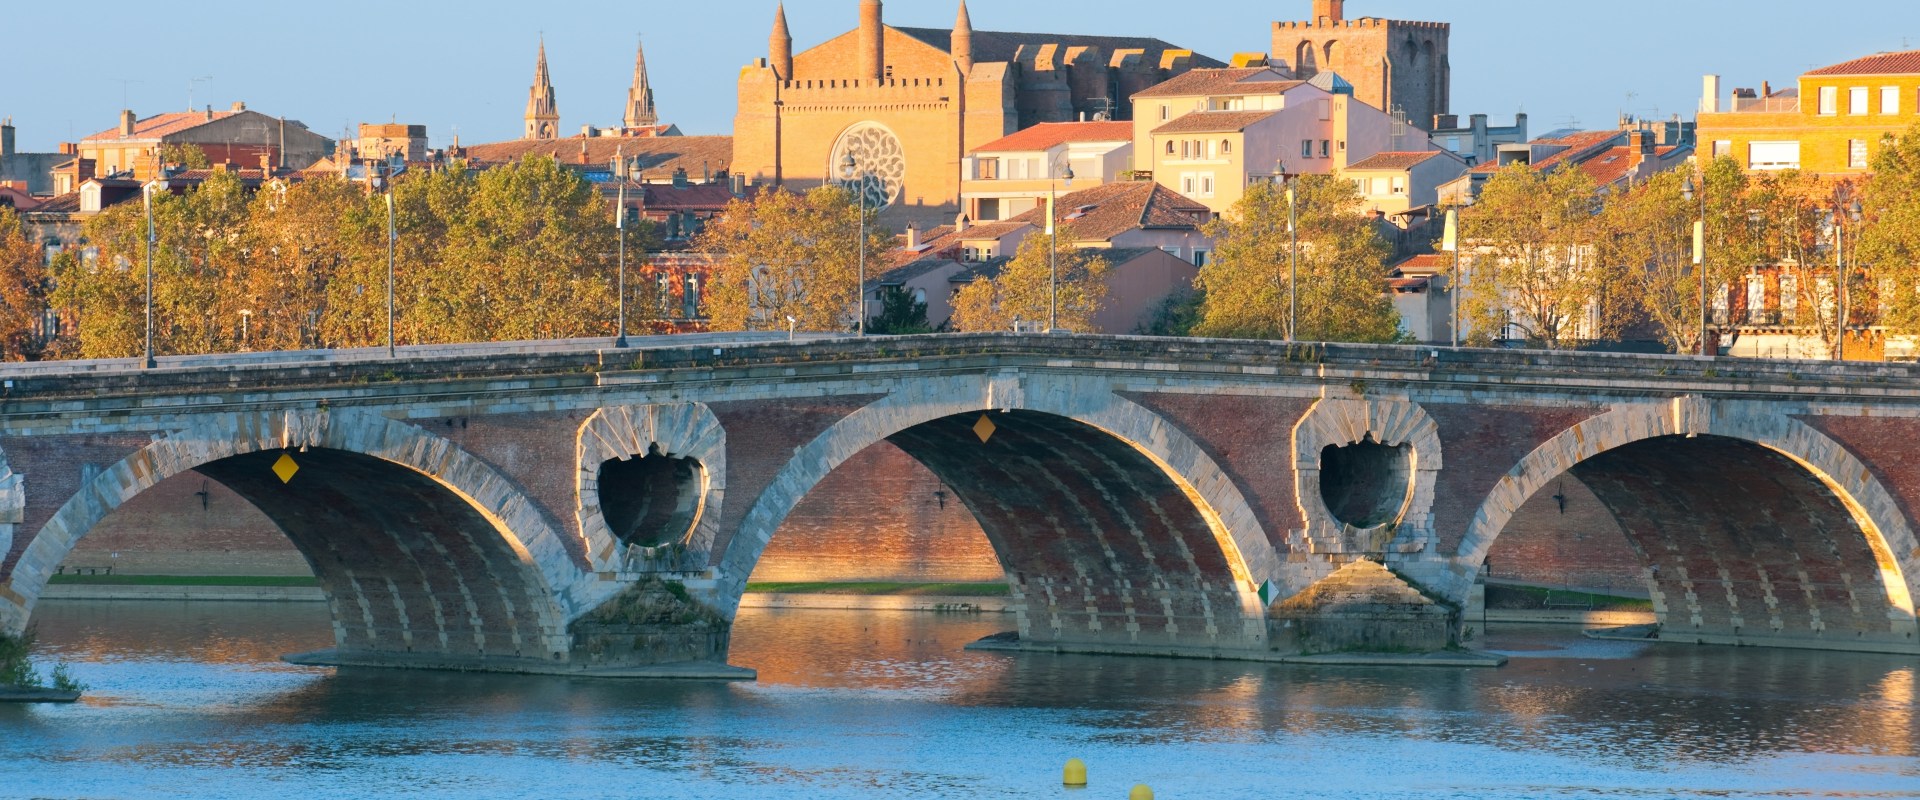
{"x":1014,"y":175}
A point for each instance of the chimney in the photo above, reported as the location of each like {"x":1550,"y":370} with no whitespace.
{"x":960,"y":223}
{"x":873,"y":48}
{"x":238,"y":107}
{"x":209,"y":112}
{"x":1766,"y":89}
{"x":913,"y":236}
{"x":127,"y":119}
{"x":680,"y":177}
{"x":1710,"y":95}
{"x":1446,"y":121}
{"x":1329,"y":12}
{"x":737,"y":184}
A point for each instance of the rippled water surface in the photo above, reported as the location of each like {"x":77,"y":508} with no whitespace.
{"x":189,"y":700}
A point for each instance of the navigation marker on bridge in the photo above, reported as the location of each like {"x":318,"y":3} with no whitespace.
{"x":1268,"y":592}
{"x":984,"y":428}
{"x":285,"y":468}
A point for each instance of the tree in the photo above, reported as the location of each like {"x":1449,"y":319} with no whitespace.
{"x":783,"y":255}
{"x":1889,"y":242}
{"x":1342,"y":292}
{"x":1532,"y":265}
{"x":1645,"y":237}
{"x":900,"y":314}
{"x":24,"y":290}
{"x":1022,"y":290}
{"x":185,"y":155}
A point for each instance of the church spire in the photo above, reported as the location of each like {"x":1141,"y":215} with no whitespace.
{"x":640,"y":111}
{"x":543,"y":108}
{"x":780,"y":45}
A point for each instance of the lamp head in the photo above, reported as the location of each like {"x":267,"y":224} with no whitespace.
{"x":1686,"y":188}
{"x":847,"y":167}
{"x":1069,"y":176}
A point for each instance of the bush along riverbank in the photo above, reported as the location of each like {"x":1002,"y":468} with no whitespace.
{"x":20,"y":680}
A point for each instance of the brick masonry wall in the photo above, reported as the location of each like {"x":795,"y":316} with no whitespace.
{"x":881,"y":516}
{"x":1582,"y":546}
{"x":55,"y":468}
{"x":169,"y":530}
{"x":1251,"y":438}
{"x":1482,"y":443}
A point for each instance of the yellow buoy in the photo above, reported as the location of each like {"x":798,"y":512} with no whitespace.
{"x":1075,"y":774}
{"x":1140,"y":792}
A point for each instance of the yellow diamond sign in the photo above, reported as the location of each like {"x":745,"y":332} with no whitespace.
{"x":984,"y":429}
{"x":285,"y":468}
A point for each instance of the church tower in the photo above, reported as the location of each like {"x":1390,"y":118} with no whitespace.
{"x":640,"y":112}
{"x":1397,"y":66}
{"x":543,"y":110}
{"x":963,"y":40}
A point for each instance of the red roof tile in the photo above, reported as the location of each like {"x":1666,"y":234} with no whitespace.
{"x":1395,"y":160}
{"x":1051,"y":134}
{"x":1905,"y":63}
{"x":161,"y":125}
{"x":1215,"y":122}
{"x":1243,"y":81}
{"x":1103,"y":212}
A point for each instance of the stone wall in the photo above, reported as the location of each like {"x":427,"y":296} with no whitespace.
{"x":1581,"y":546}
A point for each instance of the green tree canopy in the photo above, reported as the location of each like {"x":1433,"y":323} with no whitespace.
{"x":782,"y":255}
{"x":1023,"y":289}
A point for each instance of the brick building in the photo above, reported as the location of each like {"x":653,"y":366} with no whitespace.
{"x":1395,"y":65}
{"x":910,"y":103}
{"x":34,"y":171}
{"x":237,"y":136}
{"x":1831,"y":124}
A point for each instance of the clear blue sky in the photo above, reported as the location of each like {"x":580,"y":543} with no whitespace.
{"x":464,"y":66}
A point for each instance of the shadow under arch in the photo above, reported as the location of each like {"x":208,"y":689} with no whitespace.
{"x":426,"y":554}
{"x":1756,"y":528}
{"x":1112,"y":526}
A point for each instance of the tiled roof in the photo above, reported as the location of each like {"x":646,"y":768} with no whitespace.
{"x":161,"y":125}
{"x":657,"y":156}
{"x":667,"y":197}
{"x":1214,"y":121}
{"x":1002,"y":46}
{"x":1395,"y":160}
{"x":1047,"y":135}
{"x":990,"y":230}
{"x":1103,"y":212}
{"x":1609,"y":166}
{"x":1904,"y":63}
{"x":1423,"y":264}
{"x":1578,"y":146}
{"x":68,"y":203}
{"x":1242,"y":81}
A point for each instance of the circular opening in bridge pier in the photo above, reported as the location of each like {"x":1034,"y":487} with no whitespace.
{"x":652,"y":500}
{"x":1364,"y":484}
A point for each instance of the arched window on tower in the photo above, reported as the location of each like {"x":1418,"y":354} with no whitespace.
{"x":1305,"y":61}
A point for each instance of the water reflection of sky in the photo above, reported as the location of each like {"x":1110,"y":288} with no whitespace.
{"x":188,"y":701}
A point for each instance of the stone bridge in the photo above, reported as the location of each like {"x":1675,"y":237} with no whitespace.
{"x":570,"y":507}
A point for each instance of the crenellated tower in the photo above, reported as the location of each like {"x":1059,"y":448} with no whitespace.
{"x":1394,"y":65}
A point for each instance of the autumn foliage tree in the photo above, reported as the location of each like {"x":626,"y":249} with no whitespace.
{"x":781,"y":255}
{"x":1531,"y":264}
{"x":24,"y":288}
{"x":1023,"y":289}
{"x":1342,"y":292}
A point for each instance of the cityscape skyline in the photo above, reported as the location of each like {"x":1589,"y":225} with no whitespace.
{"x":694,"y":76}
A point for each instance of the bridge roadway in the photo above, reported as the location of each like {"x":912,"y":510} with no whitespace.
{"x":571,"y":507}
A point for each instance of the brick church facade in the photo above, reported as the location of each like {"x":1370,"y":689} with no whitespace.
{"x":909,"y":103}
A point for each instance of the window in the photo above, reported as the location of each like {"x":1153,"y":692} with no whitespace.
{"x":920,"y":296}
{"x":1186,"y":149}
{"x":1399,"y":185}
{"x":1890,"y":100}
{"x":1186,"y":184}
{"x":1169,"y":147}
{"x":691,"y":302}
{"x":1757,"y":300}
{"x":1789,"y":299}
{"x":1226,"y":147}
{"x":1857,"y":100}
{"x":989,"y":169}
{"x":1164,"y":111}
{"x":1379,"y":187}
{"x":1722,"y":148}
{"x":1829,"y":100}
{"x":1857,"y":153}
{"x":1174,"y":250}
{"x":1453,"y":144}
{"x":1206,"y":186}
{"x":1773,"y":155}
{"x":1199,"y":257}
{"x":1326,"y":148}
{"x":1306,"y":148}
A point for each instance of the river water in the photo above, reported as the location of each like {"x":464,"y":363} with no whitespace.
{"x":189,"y":700}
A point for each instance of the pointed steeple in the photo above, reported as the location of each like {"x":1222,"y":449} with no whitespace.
{"x":640,"y":111}
{"x":780,"y":45}
{"x":963,"y":39}
{"x":543,"y":108}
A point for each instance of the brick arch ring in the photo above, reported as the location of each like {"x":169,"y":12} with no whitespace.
{"x":1340,"y":423}
{"x":1873,"y":507}
{"x":544,"y":557}
{"x":679,"y":430}
{"x":1087,"y":400}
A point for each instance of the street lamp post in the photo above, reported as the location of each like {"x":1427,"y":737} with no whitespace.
{"x":146,"y":196}
{"x":1451,"y":244}
{"x":392,"y":236}
{"x":1053,"y":252}
{"x":246,"y":316}
{"x":1293,"y":264}
{"x":1700,"y":253}
{"x":620,"y":228}
{"x":848,"y":167}
{"x":1841,"y":216}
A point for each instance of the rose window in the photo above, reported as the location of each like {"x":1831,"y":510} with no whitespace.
{"x":880,"y":163}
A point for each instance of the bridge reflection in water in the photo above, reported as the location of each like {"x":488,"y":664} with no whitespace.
{"x":866,"y":704}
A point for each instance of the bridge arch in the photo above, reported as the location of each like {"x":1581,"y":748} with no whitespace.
{"x":1816,"y":551}
{"x":1113,"y":526}
{"x":425,"y":552}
